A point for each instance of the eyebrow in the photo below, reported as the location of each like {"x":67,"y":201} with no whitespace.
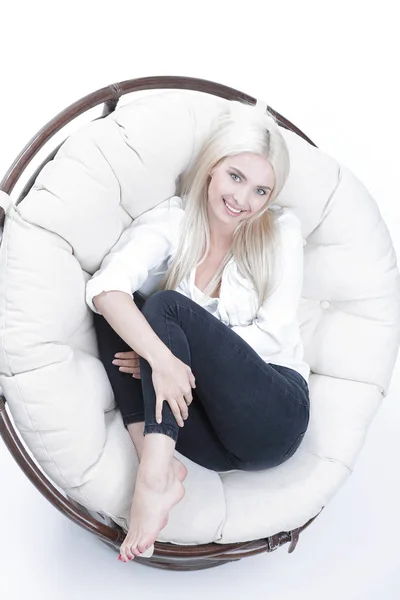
{"x":245,"y":178}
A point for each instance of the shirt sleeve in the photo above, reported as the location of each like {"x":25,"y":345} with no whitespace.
{"x":143,"y":246}
{"x":275,"y":327}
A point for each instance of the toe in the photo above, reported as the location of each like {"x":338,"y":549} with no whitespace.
{"x":122,"y":554}
{"x":131,"y":550}
{"x":129,"y":554}
{"x":134,"y":551}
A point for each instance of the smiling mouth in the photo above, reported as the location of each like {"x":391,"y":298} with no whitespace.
{"x":234,"y":211}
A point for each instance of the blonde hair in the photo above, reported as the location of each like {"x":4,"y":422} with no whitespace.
{"x":242,"y":128}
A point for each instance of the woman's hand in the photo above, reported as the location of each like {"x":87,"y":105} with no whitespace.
{"x":128,"y":362}
{"x":173,"y":381}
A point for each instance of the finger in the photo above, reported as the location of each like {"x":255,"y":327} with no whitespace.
{"x":159,"y":405}
{"x":178,"y":411}
{"x":126,"y":369}
{"x":184,"y":408}
{"x":192,"y":379}
{"x":188,"y":397}
{"x":128,"y":364}
{"x":126,"y":361}
{"x":127,"y":355}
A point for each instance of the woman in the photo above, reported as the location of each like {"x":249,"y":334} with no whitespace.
{"x":215,"y":329}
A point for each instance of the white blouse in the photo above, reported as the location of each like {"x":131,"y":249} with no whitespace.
{"x":145,"y":250}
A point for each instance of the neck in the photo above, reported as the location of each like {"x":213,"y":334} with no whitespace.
{"x":220,"y":246}
{"x":220,"y":241}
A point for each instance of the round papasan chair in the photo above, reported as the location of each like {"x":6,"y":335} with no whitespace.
{"x":58,"y":416}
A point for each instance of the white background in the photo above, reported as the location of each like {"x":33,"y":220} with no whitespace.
{"x":332,"y":69}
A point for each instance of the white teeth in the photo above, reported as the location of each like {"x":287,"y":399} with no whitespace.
{"x":235,"y":210}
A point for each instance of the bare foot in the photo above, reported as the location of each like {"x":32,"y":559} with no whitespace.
{"x":152,"y":501}
{"x":179,"y":468}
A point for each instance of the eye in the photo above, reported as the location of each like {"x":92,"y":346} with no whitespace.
{"x":263,"y":192}
{"x":234,"y":175}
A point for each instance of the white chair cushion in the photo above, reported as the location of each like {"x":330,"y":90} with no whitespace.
{"x":60,"y":398}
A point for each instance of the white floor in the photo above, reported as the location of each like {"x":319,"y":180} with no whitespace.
{"x":331,"y":69}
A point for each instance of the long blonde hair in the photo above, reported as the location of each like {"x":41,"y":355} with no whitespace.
{"x":242,"y":128}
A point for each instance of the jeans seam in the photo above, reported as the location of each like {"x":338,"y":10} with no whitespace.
{"x":238,"y":347}
{"x":160,"y":428}
{"x":138,"y":414}
{"x":300,"y":435}
{"x":168,"y":332}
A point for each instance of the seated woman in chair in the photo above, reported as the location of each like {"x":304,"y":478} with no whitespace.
{"x":209,"y":359}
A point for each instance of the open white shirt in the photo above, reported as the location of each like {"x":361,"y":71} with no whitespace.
{"x":144,"y":251}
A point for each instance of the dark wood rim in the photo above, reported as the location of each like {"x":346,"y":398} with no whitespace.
{"x":166,"y":556}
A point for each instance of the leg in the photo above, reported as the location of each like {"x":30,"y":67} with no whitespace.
{"x":157,"y":490}
{"x":259,"y":411}
{"x":128,"y":396}
{"x":136,"y":433}
{"x":127,"y":390}
{"x":154,"y":495}
{"x":260,"y":416}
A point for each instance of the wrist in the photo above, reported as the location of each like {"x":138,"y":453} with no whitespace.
{"x":159,"y":356}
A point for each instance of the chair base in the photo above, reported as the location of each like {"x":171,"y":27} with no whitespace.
{"x":204,"y":556}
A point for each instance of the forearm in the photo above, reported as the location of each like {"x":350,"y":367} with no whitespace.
{"x":121,"y":312}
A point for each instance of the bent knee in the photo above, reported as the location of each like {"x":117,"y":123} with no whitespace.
{"x":160,"y":299}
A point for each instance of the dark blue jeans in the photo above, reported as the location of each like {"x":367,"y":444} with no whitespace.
{"x":246,"y":414}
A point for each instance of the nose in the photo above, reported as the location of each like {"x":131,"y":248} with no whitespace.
{"x":240,"y":200}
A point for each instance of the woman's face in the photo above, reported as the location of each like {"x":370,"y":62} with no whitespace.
{"x":244,"y":181}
